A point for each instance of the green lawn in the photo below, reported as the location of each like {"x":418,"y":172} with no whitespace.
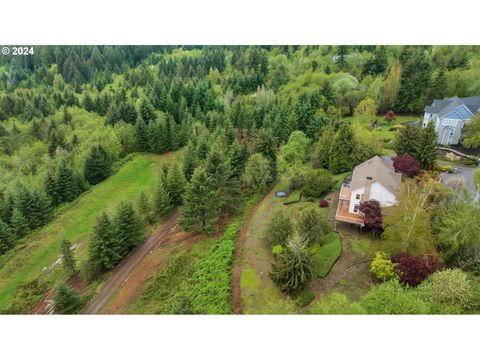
{"x":294,"y":197}
{"x":327,"y":255}
{"x":75,"y":222}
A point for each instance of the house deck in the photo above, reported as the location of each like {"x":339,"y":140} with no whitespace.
{"x":342,"y":214}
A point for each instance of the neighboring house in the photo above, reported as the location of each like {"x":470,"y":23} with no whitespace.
{"x":373,"y":179}
{"x":450,"y":115}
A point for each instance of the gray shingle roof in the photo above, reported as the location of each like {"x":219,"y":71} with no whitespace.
{"x":444,"y":106}
{"x":380,"y":170}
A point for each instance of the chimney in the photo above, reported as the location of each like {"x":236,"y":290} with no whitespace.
{"x":368,"y":185}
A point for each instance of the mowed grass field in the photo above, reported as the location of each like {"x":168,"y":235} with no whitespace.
{"x":75,"y":222}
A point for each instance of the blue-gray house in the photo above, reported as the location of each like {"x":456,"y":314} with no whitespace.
{"x":450,"y":115}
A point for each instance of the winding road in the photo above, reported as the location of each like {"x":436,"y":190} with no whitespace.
{"x":123,"y":270}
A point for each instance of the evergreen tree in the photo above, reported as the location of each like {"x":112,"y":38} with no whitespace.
{"x":98,"y":165}
{"x":266,"y":145}
{"x":6,"y":238}
{"x":427,"y":147}
{"x":146,"y":110}
{"x":415,"y":80}
{"x":322,"y":148}
{"x":66,"y":185}
{"x":129,"y":231}
{"x":238,"y":158}
{"x":19,"y":224}
{"x":200,"y":209}
{"x":145,"y":207}
{"x":162,"y":201}
{"x":67,"y":117}
{"x":103,"y":252}
{"x":35,"y":206}
{"x":343,"y":151}
{"x":439,"y":87}
{"x":66,"y":300}
{"x":175,"y":184}
{"x":407,"y":141}
{"x":189,"y":161}
{"x":218,"y":168}
{"x":378,"y":63}
{"x":141,"y":134}
{"x":68,"y":259}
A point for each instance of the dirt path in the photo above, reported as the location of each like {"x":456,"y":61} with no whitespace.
{"x":237,"y":266}
{"x":123,"y":270}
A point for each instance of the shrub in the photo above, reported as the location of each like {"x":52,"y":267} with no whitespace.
{"x":335,"y":304}
{"x":373,"y":215}
{"x":390,"y":116}
{"x":304,"y":298}
{"x":327,"y":255}
{"x":312,"y":225}
{"x":318,"y":181}
{"x":294,"y":269}
{"x":406,"y":165}
{"x":279,"y":228}
{"x":383,"y":268}
{"x":324,"y":203}
{"x":392,"y":298}
{"x":452,"y":157}
{"x":449,"y":287}
{"x":414,"y":269}
{"x":277,"y":250}
{"x":398,"y":127}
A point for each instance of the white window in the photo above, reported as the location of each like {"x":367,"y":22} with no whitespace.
{"x":357,"y":196}
{"x":355,"y":208}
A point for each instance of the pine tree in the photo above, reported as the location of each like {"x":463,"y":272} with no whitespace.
{"x":200,"y":209}
{"x":103,"y":252}
{"x":19,"y":224}
{"x":146,"y":110}
{"x":218,"y":168}
{"x":6,"y":238}
{"x":141,"y":134}
{"x":129,"y":230}
{"x":343,"y":151}
{"x":189,"y":161}
{"x":407,"y":141}
{"x":415,"y":80}
{"x":266,"y":145}
{"x":162,"y":201}
{"x":68,"y":259}
{"x":175,"y":184}
{"x":66,"y":300}
{"x":66,"y":186}
{"x":237,"y":159}
{"x":427,"y":147}
{"x":67,"y":117}
{"x":98,"y":165}
{"x":145,"y":207}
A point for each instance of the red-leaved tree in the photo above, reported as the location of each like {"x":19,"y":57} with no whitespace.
{"x":324,"y":203}
{"x":373,"y":215}
{"x":406,"y":165}
{"x":414,"y":269}
{"x":390,"y":116}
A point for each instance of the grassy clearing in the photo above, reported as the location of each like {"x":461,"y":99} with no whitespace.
{"x":327,"y":255}
{"x":74,"y":222}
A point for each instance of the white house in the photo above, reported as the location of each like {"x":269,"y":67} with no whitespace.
{"x":450,"y":116}
{"x":373,"y":179}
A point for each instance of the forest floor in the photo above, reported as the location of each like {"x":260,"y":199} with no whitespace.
{"x":37,"y":257}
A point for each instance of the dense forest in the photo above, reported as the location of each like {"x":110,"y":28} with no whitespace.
{"x":71,"y":116}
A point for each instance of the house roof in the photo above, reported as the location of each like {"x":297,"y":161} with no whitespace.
{"x":380,"y":170}
{"x":447,"y":105}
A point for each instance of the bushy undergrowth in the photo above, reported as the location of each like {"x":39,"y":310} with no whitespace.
{"x":197,"y":281}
